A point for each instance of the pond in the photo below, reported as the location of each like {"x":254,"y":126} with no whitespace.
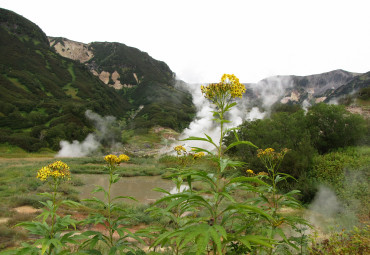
{"x":139,"y":187}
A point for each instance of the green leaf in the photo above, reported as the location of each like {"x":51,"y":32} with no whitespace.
{"x":46,"y":194}
{"x":256,"y":239}
{"x":280,"y":232}
{"x":239,"y":143}
{"x":202,"y":242}
{"x":243,"y":208}
{"x":127,"y":197}
{"x":248,"y":179}
{"x":70,"y":203}
{"x":278,"y":179}
{"x":230,"y":106}
{"x":197,"y":149}
{"x":194,"y":138}
{"x":115,"y":178}
{"x":221,"y":230}
{"x":225,"y":162}
{"x":99,"y":188}
{"x":161,"y":190}
{"x":95,"y":200}
{"x":112,"y":250}
{"x":216,"y":238}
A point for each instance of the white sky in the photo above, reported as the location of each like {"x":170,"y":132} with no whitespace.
{"x":200,"y":39}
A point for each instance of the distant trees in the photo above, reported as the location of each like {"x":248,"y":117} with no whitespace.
{"x":322,"y":129}
{"x":332,"y":127}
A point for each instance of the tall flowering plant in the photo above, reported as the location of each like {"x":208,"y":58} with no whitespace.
{"x":50,"y":229}
{"x":273,"y":202}
{"x":114,"y":217}
{"x":213,"y":220}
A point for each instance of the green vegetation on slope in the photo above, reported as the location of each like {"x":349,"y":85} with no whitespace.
{"x":322,"y":129}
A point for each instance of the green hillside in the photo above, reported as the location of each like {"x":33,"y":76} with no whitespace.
{"x":43,"y":96}
{"x":164,"y":104}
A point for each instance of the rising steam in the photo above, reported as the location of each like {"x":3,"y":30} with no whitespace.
{"x":93,"y":141}
{"x":257,"y":105}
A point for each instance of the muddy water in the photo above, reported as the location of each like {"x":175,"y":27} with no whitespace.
{"x":139,"y":187}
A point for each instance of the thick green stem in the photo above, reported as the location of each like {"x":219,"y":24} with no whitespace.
{"x":110,"y":229}
{"x":53,"y":214}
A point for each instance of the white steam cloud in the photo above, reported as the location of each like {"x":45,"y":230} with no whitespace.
{"x":78,"y":149}
{"x":327,"y":212}
{"x":93,"y":141}
{"x":266,"y":92}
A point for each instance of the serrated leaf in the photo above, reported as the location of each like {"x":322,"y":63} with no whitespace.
{"x":99,"y":188}
{"x":70,"y":203}
{"x":239,"y":143}
{"x":115,"y":178}
{"x":127,"y":197}
{"x":112,"y":250}
{"x":197,"y":149}
{"x":248,"y":179}
{"x":216,"y":238}
{"x":161,"y":190}
{"x":256,"y":239}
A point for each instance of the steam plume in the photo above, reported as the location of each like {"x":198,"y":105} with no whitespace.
{"x":93,"y":140}
{"x":265,"y":93}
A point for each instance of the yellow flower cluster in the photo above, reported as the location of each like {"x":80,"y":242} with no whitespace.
{"x":271,"y":154}
{"x":198,"y":155}
{"x":114,"y":160}
{"x":180,"y":149}
{"x":229,"y":84}
{"x":123,"y":158}
{"x":58,"y":169}
{"x":268,"y":151}
{"x":250,"y":171}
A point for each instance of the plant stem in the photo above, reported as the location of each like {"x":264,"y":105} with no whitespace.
{"x":110,"y":229}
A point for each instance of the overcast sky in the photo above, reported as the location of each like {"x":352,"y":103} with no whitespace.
{"x":200,"y":40}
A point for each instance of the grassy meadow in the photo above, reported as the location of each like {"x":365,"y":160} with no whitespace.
{"x":345,"y":171}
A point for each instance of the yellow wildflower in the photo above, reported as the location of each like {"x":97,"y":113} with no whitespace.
{"x":198,"y":155}
{"x":180,"y":149}
{"x":250,"y":171}
{"x":58,"y":169}
{"x":124,"y":158}
{"x":112,"y":159}
{"x":229,"y":85}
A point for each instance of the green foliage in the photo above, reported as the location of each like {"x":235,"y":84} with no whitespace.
{"x":212,"y":220}
{"x":355,"y":241}
{"x":347,"y":173}
{"x":34,"y":77}
{"x":112,"y":219}
{"x":332,"y":127}
{"x":323,"y":128}
{"x":127,"y":61}
{"x":50,"y":228}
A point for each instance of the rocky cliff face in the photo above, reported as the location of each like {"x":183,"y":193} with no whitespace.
{"x":116,"y":64}
{"x":83,"y":53}
{"x":306,"y":90}
{"x":71,"y":49}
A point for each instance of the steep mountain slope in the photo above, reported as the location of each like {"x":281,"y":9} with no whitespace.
{"x":147,"y":83}
{"x":356,"y":84}
{"x":43,"y":96}
{"x":304,"y":90}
